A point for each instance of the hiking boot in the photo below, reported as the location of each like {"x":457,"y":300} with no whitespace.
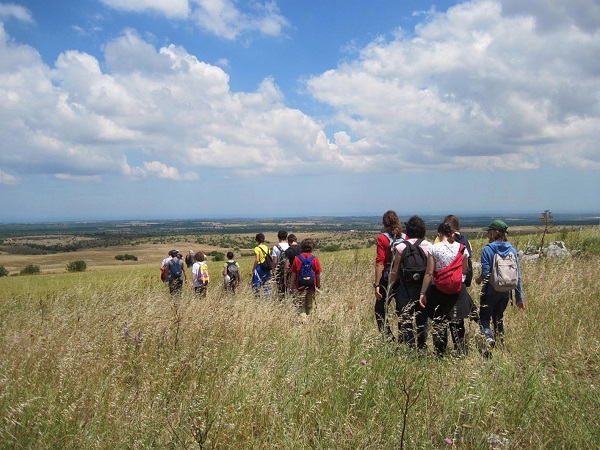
{"x":490,"y":342}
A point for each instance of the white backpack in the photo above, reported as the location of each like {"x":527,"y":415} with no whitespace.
{"x":504,"y":274}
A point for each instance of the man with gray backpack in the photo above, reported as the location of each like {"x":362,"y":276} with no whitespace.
{"x":500,"y":275}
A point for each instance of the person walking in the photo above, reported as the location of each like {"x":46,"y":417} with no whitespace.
{"x":306,"y":277}
{"x":291,"y":252}
{"x":465,"y":307}
{"x":387,"y":240}
{"x":231,"y":273}
{"x":261,"y":269}
{"x":407,"y":275}
{"x":278,"y":268}
{"x":493,"y":302}
{"x":200,"y":274}
{"x":437,"y":296}
{"x":176,"y":273}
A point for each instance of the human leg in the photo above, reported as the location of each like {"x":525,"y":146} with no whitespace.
{"x":381,"y":315}
{"x":498,"y":317}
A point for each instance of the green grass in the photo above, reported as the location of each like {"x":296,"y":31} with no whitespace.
{"x":109,"y":360}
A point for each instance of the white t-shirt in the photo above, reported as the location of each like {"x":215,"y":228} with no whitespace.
{"x":276,"y":252}
{"x":425,"y":245}
{"x":444,"y":253}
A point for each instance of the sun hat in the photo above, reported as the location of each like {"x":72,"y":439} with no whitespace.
{"x":497,"y":225}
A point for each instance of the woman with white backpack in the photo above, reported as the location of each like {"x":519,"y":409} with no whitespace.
{"x":500,"y":275}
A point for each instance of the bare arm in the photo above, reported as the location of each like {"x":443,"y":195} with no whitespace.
{"x":427,"y":279}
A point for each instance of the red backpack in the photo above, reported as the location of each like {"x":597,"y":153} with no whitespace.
{"x":449,"y":279}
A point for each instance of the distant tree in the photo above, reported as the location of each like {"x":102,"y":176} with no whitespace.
{"x":217,"y":256}
{"x":77,"y":266}
{"x":30,"y":270}
{"x":547,"y":220}
{"x":126,"y":257}
{"x":3,"y":271}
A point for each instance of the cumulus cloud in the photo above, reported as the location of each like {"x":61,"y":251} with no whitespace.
{"x":476,"y":87}
{"x":76,"y":120}
{"x":10,"y":10}
{"x":473,"y":84}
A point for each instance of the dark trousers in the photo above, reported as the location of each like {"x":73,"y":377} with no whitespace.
{"x":410,"y":313}
{"x":439,"y":308}
{"x":381,"y":311}
{"x":491,"y":309}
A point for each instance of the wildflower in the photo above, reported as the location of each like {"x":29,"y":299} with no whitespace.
{"x":448,"y":441}
{"x":363,"y":362}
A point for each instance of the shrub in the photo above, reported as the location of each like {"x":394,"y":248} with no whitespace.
{"x":77,"y":266}
{"x":30,"y":270}
{"x":217,"y":256}
{"x":126,"y":257}
{"x":3,"y":271}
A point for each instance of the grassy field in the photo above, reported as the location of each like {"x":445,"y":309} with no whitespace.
{"x":107,"y":359}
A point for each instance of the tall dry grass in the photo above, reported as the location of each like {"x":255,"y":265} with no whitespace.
{"x":109,"y":360}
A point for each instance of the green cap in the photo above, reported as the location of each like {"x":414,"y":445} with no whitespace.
{"x":497,"y":225}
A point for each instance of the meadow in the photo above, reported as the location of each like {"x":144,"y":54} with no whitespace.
{"x":106,"y":359}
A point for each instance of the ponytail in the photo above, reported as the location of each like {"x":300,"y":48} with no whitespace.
{"x":445,"y":229}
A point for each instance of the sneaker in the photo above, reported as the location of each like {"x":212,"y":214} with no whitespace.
{"x":490,"y":341}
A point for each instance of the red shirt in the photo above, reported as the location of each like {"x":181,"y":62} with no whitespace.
{"x":297,"y":264}
{"x":383,"y":255}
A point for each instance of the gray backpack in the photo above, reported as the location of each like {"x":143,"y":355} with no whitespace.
{"x":504,"y":274}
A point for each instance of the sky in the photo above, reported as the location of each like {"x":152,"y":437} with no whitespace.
{"x":175,"y":109}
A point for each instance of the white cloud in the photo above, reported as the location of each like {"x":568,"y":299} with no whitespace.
{"x":223,"y":18}
{"x":169,"y":8}
{"x":6,"y":178}
{"x":472,"y":84}
{"x":10,"y":10}
{"x":161,"y":170}
{"x":177,"y":111}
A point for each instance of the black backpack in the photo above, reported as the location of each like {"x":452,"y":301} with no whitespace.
{"x":413,"y":263}
{"x":267,"y":264}
{"x":280,"y":263}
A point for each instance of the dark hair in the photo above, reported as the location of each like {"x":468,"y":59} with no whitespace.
{"x":291,"y":238}
{"x":453,"y":221}
{"x":445,"y":229}
{"x":391,"y":223}
{"x":199,"y":256}
{"x":415,"y":227}
{"x":260,"y":238}
{"x":307,"y":245}
{"x":229,"y":255}
{"x":282,"y":235}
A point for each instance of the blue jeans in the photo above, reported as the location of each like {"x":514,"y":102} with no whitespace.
{"x":260,"y":279}
{"x":491,"y":311}
{"x":408,"y":311}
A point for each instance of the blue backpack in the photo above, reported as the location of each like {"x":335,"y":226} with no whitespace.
{"x":306,"y":277}
{"x":175,"y":271}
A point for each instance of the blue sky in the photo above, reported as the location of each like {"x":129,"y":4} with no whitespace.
{"x":126,"y":109}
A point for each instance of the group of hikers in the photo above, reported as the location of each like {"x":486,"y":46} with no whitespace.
{"x":427,"y":281}
{"x":289,"y":266}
